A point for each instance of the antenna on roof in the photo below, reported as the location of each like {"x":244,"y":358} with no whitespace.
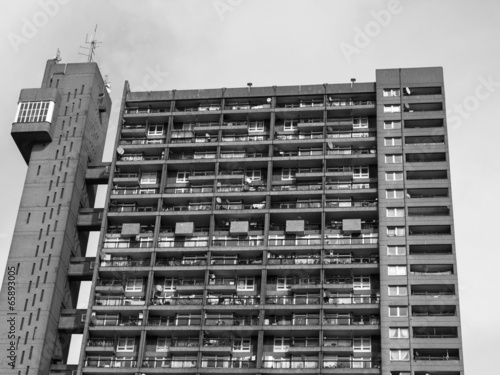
{"x":58,"y":56}
{"x":93,"y":44}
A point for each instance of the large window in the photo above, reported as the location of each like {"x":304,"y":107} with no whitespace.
{"x":149,"y":178}
{"x":246,"y":283}
{"x":155,"y":130}
{"x":394,"y":193}
{"x":182,"y":177}
{"x":392,"y":108}
{"x":398,"y":311}
{"x":361,"y":282}
{"x":241,"y":344}
{"x":125,"y":344}
{"x":134,"y":285}
{"x":394,"y":159}
{"x":288,"y":174}
{"x":391,"y":92}
{"x":392,"y":141}
{"x":395,"y":212}
{"x":398,"y":290}
{"x":392,"y":124}
{"x":360,"y":122}
{"x":289,"y":125}
{"x":253,"y":174}
{"x":396,"y":250}
{"x":394,"y":176}
{"x":399,"y":355}
{"x":281,"y":344}
{"x":361,"y":344}
{"x":396,"y":231}
{"x":162,"y":344}
{"x":396,"y":270}
{"x":256,"y":126}
{"x":361,"y":172}
{"x":35,"y":111}
{"x":399,"y":333}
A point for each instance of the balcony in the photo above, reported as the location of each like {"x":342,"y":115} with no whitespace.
{"x":165,"y":321}
{"x":110,"y":362}
{"x":294,"y":259}
{"x":114,"y":321}
{"x":435,"y":332}
{"x":239,"y":321}
{"x":101,"y":345}
{"x":177,"y":301}
{"x":349,"y":259}
{"x":192,"y":206}
{"x":434,"y":310}
{"x":182,"y":242}
{"x":133,"y":191}
{"x":226,"y":241}
{"x":125,"y":263}
{"x":293,"y":300}
{"x":294,"y":240}
{"x":232,"y":300}
{"x":181,"y":262}
{"x":119,"y":301}
{"x":436,"y":355}
{"x":353,"y":299}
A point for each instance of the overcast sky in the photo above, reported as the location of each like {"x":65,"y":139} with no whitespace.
{"x":164,"y":45}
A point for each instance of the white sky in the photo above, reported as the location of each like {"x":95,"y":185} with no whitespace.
{"x":288,"y":42}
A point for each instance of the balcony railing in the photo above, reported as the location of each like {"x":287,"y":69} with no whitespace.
{"x":119,"y":301}
{"x":131,"y":209}
{"x":175,"y":242}
{"x":231,"y":242}
{"x":169,"y":321}
{"x":141,"y":141}
{"x":294,"y":241}
{"x":155,"y":362}
{"x":341,"y":320}
{"x":187,"y":300}
{"x":236,"y":321}
{"x":134,"y":191}
{"x":190,"y":190}
{"x":314,"y":259}
{"x":128,"y":244}
{"x":234,"y":363}
{"x":351,"y":300}
{"x":189,"y":207}
{"x":101,"y":342}
{"x":181,"y":262}
{"x":233,"y":300}
{"x":110,"y":321}
{"x":351,"y":135}
{"x":350,"y":151}
{"x":350,"y":260}
{"x":351,"y":241}
{"x":126,"y":263}
{"x":293,"y":300}
{"x":298,"y":187}
{"x":238,"y":188}
{"x":110,"y":362}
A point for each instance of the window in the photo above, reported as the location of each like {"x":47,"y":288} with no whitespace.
{"x":241,"y":344}
{"x":283,"y":283}
{"x":399,"y":355}
{"x":169,"y":283}
{"x":34,"y":111}
{"x":394,"y":159}
{"x":253,"y":174}
{"x":396,"y":270}
{"x":360,"y":122}
{"x":289,"y":125}
{"x":392,"y":124}
{"x":125,"y":344}
{"x":398,"y":290}
{"x":394,"y":176}
{"x":256,"y":126}
{"x":361,"y":344}
{"x":361,"y":282}
{"x":392,"y":108}
{"x":149,"y":178}
{"x":398,"y":311}
{"x":246,"y":283}
{"x":134,"y":285}
{"x":182,"y":177}
{"x":396,"y":231}
{"x":399,"y":333}
{"x":288,"y":174}
{"x":395,"y":212}
{"x":281,"y":344}
{"x":361,"y":172}
{"x":162,"y":344}
{"x":392,"y":141}
{"x":391,"y":92}
{"x":155,"y":130}
{"x":396,"y":250}
{"x":394,"y":194}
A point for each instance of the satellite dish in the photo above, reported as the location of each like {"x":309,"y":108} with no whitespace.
{"x":218,"y":200}
{"x":330,"y":129}
{"x":408,"y":91}
{"x":330,"y":99}
{"x":269,"y":100}
{"x":407,"y":106}
{"x":159,"y":288}
{"x":93,"y":318}
{"x":137,"y":238}
{"x":120,"y":150}
{"x":229,"y":124}
{"x":248,"y":180}
{"x":330,"y":145}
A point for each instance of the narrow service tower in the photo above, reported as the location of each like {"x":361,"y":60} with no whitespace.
{"x":60,"y":130}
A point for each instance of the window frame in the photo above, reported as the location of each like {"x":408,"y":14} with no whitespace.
{"x":126,"y":346}
{"x":246,"y":280}
{"x":364,"y":284}
{"x":290,"y":125}
{"x":147,"y":178}
{"x":398,"y":310}
{"x":137,"y":285}
{"x":362,"y":346}
{"x":395,"y":212}
{"x":399,"y":250}
{"x":399,"y":231}
{"x":154,"y":129}
{"x":286,"y":283}
{"x":394,"y":176}
{"x":394,"y":158}
{"x":360,"y":122}
{"x":259,"y":127}
{"x":392,"y":108}
{"x":34,"y":111}
{"x":164,"y":347}
{"x":242,"y":344}
{"x":402,"y":355}
{"x":393,"y":141}
{"x":387,"y":93}
{"x":282,"y":346}
{"x":393,"y":193}
{"x":182,"y":180}
{"x":400,"y":290}
{"x":396,"y":270}
{"x":253,"y":174}
{"x":361,"y":172}
{"x":289,"y":175}
{"x":394,"y":124}
{"x":399,"y":333}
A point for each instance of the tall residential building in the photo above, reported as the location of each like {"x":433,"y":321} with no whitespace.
{"x":270,"y":230}
{"x":60,"y":130}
